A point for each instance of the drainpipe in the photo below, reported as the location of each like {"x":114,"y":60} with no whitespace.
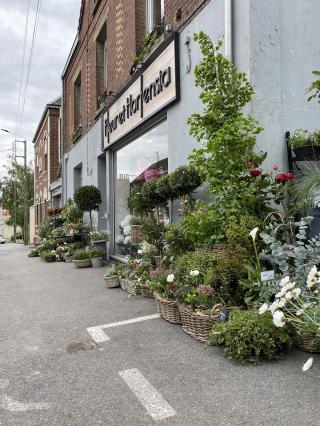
{"x":228,"y":16}
{"x":63,"y":176}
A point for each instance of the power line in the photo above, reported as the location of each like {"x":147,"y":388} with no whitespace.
{"x":24,"y":48}
{"x":34,"y":34}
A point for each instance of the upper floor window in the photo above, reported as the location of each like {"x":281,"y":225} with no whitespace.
{"x":101,"y":62}
{"x":154,"y":13}
{"x":77,"y":101}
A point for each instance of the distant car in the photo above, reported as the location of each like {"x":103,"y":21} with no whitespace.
{"x":2,"y":240}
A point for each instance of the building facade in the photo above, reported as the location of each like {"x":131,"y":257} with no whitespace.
{"x":126,"y":119}
{"x":47,"y":167}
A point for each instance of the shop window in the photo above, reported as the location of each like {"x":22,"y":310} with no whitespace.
{"x":77,"y":101}
{"x":143,"y":159}
{"x":101,"y":65}
{"x":77,"y":176}
{"x":154,"y":13}
{"x":45,"y":162}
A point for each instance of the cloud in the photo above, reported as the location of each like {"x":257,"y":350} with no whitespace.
{"x":56,"y":31}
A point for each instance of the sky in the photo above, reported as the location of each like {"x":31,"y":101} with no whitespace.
{"x":58,"y":22}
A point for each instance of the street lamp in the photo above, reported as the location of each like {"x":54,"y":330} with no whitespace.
{"x":25,"y":192}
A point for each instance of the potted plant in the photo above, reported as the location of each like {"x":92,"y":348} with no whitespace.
{"x":34,"y":253}
{"x":111,"y":277}
{"x":305,"y":145}
{"x":87,"y":199}
{"x":99,"y":240}
{"x":82,"y":259}
{"x":49,"y":256}
{"x":96,"y":258}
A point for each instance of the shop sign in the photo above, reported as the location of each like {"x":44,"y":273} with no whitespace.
{"x":154,"y":89}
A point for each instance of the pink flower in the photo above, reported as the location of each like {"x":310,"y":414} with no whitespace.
{"x":275,"y":167}
{"x":205,"y":290}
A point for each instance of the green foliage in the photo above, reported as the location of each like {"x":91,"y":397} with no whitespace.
{"x":315,"y":87}
{"x":250,"y":337}
{"x":154,"y":232}
{"x":46,"y":245}
{"x":177,"y":240}
{"x":148,"y":42}
{"x":45,"y":255}
{"x":15,"y":173}
{"x":73,"y":247}
{"x":96,"y":253}
{"x":45,"y":228}
{"x":34,"y":253}
{"x":238,"y":228}
{"x":300,"y":138}
{"x":71,"y":214}
{"x":87,"y":199}
{"x":81,"y":255}
{"x":227,"y":136}
{"x":58,"y":232}
{"x":306,"y":189}
{"x":98,"y":236}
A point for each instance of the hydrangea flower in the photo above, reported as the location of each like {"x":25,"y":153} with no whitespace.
{"x":263,"y":308}
{"x":278,"y":318}
{"x":194,"y":273}
{"x":170,"y":278}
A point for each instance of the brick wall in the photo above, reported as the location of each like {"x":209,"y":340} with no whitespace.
{"x":125,"y":31}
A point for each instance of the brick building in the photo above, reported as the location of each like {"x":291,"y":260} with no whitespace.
{"x":125,"y":113}
{"x":47,"y":161}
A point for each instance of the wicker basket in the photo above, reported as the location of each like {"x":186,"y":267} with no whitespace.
{"x":112,"y":282}
{"x":136,"y":234}
{"x":168,"y":309}
{"x":220,"y":249}
{"x":199,"y":324}
{"x":307,"y":343}
{"x":145,"y":291}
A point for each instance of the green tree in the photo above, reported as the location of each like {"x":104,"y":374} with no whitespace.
{"x":87,"y":199}
{"x":227,"y":135}
{"x":15,"y":173}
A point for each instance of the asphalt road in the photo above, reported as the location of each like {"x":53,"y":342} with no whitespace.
{"x":147,"y":373}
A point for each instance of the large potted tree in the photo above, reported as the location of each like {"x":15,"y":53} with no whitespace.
{"x":88,"y":199}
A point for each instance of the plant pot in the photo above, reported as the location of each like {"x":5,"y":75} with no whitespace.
{"x":198,"y":324}
{"x":146,"y":291}
{"x":112,"y":282}
{"x":82,"y":263}
{"x":307,"y":343}
{"x":96,"y":262}
{"x":50,"y":259}
{"x":136,"y":234}
{"x":168,"y":309}
{"x":307,"y":153}
{"x":68,"y":259}
{"x":127,"y":285}
{"x":100,"y":245}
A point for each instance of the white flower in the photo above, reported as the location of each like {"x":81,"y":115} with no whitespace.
{"x":170,"y":278}
{"x":288,"y":295}
{"x":274,"y":306}
{"x":263,"y":308}
{"x":140,"y":251}
{"x":119,"y":239}
{"x":127,"y":230}
{"x":312,"y":276}
{"x":281,"y":293}
{"x":282,"y":302}
{"x":194,"y":273}
{"x":306,"y":305}
{"x":278,"y":319}
{"x":253,"y":233}
{"x":308,"y":364}
{"x":285,"y":281}
{"x":299,"y":312}
{"x":127,"y":239}
{"x":296,"y":291}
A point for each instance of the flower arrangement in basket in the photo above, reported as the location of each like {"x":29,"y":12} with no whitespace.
{"x":165,"y":292}
{"x":111,"y":277}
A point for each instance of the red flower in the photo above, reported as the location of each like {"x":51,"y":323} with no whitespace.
{"x":281,"y":177}
{"x":289,"y":176}
{"x":255,"y":172}
{"x":169,"y":287}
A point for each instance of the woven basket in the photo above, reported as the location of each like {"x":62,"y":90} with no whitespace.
{"x":136,"y":234}
{"x":220,"y":249}
{"x":307,"y":343}
{"x":146,"y":291}
{"x":168,"y":309}
{"x":112,"y":282}
{"x":199,"y":324}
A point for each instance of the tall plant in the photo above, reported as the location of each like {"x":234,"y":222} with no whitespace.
{"x":227,"y":135}
{"x":87,"y":199}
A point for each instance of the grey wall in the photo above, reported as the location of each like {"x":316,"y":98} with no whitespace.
{"x":277,"y":43}
{"x":86,"y":151}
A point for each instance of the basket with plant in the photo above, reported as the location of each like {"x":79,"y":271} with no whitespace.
{"x":111,"y":277}
{"x":82,"y":259}
{"x":165,"y":292}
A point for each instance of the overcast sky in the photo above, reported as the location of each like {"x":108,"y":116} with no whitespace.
{"x":56,"y":31}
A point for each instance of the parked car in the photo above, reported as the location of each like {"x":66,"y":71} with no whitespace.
{"x":2,"y":240}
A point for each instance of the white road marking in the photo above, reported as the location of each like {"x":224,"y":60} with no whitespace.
{"x":156,"y":406}
{"x":7,"y":403}
{"x":99,"y":336}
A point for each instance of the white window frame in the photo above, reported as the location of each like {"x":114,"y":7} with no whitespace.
{"x":150,"y":14}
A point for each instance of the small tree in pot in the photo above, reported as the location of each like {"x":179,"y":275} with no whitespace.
{"x":87,"y":199}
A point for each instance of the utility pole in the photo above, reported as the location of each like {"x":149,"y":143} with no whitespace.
{"x":25,"y":193}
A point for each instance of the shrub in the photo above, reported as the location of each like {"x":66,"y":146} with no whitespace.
{"x":45,"y":228}
{"x":81,"y":255}
{"x":45,"y":245}
{"x":250,"y":337}
{"x":177,"y":240}
{"x":58,"y":232}
{"x":87,"y":199}
{"x":98,"y":236}
{"x":96,"y":253}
